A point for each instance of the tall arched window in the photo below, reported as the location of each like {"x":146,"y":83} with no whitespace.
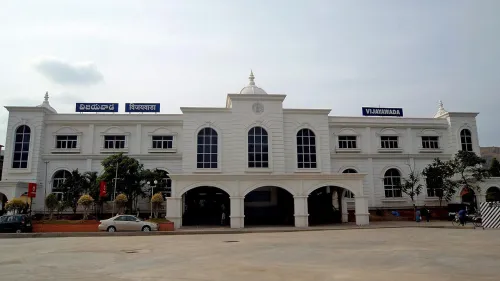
{"x":207,"y":149}
{"x":306,"y":149}
{"x":21,"y":147}
{"x":466,"y":140}
{"x":258,"y":148}
{"x":348,"y":193}
{"x":392,"y":183}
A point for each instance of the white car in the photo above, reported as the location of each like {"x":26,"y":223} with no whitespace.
{"x":126,"y":223}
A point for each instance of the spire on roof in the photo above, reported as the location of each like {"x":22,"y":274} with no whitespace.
{"x":441,"y":111}
{"x":46,"y":103}
{"x":251,"y":78}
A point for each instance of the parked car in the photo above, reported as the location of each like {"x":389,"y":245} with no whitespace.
{"x":126,"y":223}
{"x":15,"y":223}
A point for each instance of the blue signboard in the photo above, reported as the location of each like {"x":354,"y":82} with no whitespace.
{"x":142,"y":107}
{"x":377,"y":111}
{"x":96,"y":107}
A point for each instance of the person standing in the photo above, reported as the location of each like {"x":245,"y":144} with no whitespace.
{"x":428,"y":214}
{"x":223,"y":216}
{"x":418,"y":216}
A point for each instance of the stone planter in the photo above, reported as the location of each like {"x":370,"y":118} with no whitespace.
{"x":166,"y":226}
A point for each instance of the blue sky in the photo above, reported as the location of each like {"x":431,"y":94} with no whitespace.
{"x":323,"y":54}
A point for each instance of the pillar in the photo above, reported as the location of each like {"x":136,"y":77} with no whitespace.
{"x":301,"y":213}
{"x":362,"y":214}
{"x":345,"y":214}
{"x":174,"y":211}
{"x":237,"y":215}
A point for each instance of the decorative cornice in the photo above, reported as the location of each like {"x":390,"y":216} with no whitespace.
{"x":205,"y":110}
{"x":151,"y":156}
{"x":307,"y":111}
{"x":400,"y":155}
{"x":252,"y":177}
{"x":235,"y":97}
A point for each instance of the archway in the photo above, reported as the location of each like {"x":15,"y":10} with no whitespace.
{"x":269,"y":205}
{"x":324,"y":205}
{"x":205,"y":205}
{"x":3,"y":201}
{"x":493,"y":194}
{"x":468,"y":197}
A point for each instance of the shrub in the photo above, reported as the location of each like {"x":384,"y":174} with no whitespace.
{"x":15,"y":204}
{"x":121,"y":202}
{"x":85,"y":201}
{"x":157,"y":201}
{"x":51,"y":203}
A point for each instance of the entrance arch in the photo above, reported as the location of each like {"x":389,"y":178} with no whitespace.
{"x":468,"y":197}
{"x":325,"y":205}
{"x":205,"y":205}
{"x":269,"y":205}
{"x":493,"y":194}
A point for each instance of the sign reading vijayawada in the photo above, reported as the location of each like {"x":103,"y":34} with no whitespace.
{"x":377,"y":111}
{"x":96,"y":107}
{"x":142,"y":107}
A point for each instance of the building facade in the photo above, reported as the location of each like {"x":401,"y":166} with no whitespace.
{"x":252,"y":159}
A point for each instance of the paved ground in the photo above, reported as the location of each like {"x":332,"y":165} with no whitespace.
{"x":365,"y":254}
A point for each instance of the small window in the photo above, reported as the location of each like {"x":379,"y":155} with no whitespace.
{"x":163,"y":142}
{"x":430,"y":142}
{"x":434,"y":192}
{"x":466,"y":140}
{"x":389,"y":142}
{"x":64,"y":142}
{"x":114,"y":142}
{"x":347,"y":142}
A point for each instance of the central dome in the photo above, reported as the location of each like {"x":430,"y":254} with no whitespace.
{"x":251,"y":89}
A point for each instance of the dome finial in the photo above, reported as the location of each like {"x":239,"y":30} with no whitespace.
{"x":441,"y":104}
{"x":46,"y":98}
{"x":251,"y":78}
{"x":441,"y":111}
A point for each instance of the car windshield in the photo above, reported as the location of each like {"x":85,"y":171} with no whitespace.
{"x":3,"y":218}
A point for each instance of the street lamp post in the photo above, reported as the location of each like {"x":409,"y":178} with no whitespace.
{"x":152,"y":193}
{"x":114,"y":189}
{"x":45,"y":187}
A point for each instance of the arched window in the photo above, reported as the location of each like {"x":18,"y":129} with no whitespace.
{"x":493,"y":194}
{"x":207,"y":149}
{"x":58,"y":180}
{"x":466,"y":140}
{"x":21,"y":147}
{"x":258,"y":148}
{"x":306,"y":149}
{"x":392,"y":183}
{"x":348,"y":193}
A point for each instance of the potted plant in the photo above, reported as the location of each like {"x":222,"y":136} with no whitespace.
{"x":85,"y":201}
{"x":121,"y":202}
{"x":157,"y":203}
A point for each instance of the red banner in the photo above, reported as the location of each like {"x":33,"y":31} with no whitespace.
{"x":31,"y":190}
{"x":102,"y":189}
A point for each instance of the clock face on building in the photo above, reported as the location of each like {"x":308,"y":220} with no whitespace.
{"x":258,"y":107}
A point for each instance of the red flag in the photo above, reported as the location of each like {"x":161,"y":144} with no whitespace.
{"x":102,"y":189}
{"x":32,"y":190}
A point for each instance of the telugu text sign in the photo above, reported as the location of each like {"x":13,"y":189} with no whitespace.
{"x":377,"y":111}
{"x":142,"y":107}
{"x":96,"y":107}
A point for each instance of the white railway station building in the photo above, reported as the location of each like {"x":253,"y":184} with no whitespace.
{"x":266,"y":164}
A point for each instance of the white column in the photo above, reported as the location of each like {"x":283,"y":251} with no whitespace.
{"x":237,"y":211}
{"x":345,"y":214}
{"x":174,"y":211}
{"x":301,"y":213}
{"x":362,"y":214}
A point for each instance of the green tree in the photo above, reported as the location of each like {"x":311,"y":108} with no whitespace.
{"x":494,"y":168}
{"x":121,"y":202}
{"x":15,"y":205}
{"x":93,"y":189}
{"x":157,"y":202}
{"x":411,"y":185}
{"x":158,"y":175}
{"x":130,"y":177}
{"x":51,"y":203}
{"x":438,"y":179}
{"x":73,"y":187}
{"x":469,"y":170}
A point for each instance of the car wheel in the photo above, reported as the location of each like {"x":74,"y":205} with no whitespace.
{"x":146,"y":229}
{"x":111,"y":229}
{"x":19,"y":231}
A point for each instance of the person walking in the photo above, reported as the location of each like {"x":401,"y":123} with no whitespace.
{"x":428,"y":214}
{"x":223,"y":216}
{"x":418,"y":216}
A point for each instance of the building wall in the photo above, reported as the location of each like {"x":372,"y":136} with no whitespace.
{"x":232,"y":124}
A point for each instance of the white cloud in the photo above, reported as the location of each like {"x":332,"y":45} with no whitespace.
{"x":66,"y":73}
